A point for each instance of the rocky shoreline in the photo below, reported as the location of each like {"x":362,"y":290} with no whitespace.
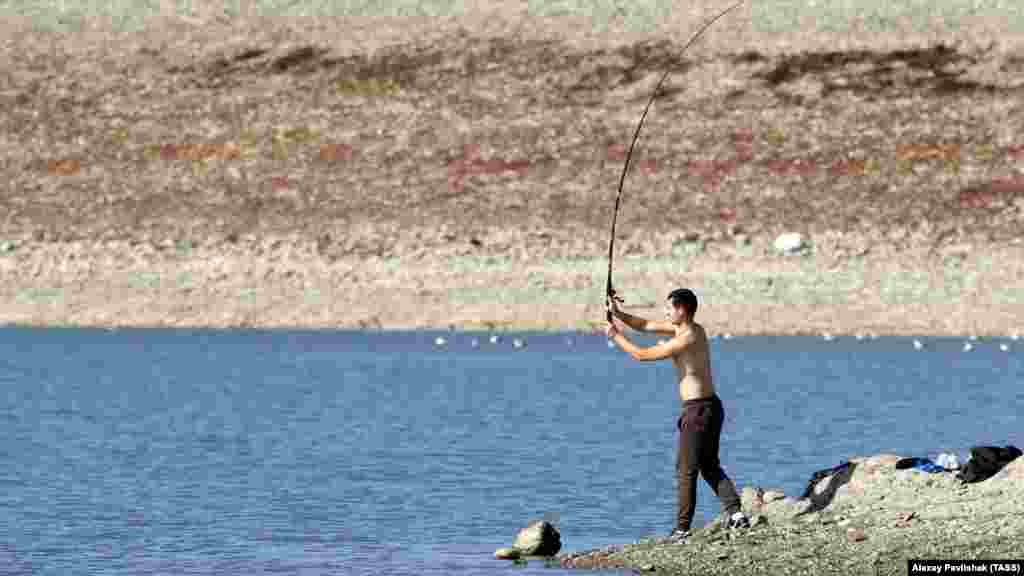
{"x":843,"y":285}
{"x":871,"y":520}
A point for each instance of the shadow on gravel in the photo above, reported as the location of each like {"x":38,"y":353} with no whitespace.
{"x":939,"y":70}
{"x":396,"y":67}
{"x":569,"y":74}
{"x":589,"y":76}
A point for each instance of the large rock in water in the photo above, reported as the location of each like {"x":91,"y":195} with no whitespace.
{"x":538,"y":539}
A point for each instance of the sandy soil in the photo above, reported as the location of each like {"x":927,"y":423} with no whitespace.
{"x":362,"y":173}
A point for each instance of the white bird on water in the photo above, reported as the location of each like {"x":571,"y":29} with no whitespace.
{"x":440,"y":341}
{"x":518,"y":343}
{"x":968,"y":346}
{"x":495,"y":338}
{"x":1004,"y":347}
{"x":827,"y":336}
{"x":1015,"y":335}
{"x":918,"y":345}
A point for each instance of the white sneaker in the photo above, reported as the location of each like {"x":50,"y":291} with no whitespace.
{"x":738,"y":520}
{"x":677,"y":537}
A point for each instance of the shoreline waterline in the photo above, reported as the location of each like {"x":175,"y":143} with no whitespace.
{"x":743,"y":291}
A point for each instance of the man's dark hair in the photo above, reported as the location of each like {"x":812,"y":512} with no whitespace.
{"x":686,"y":298}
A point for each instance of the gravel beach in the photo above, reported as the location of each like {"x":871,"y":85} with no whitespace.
{"x":872,"y":521}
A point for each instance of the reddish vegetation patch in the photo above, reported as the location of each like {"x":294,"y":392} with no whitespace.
{"x":727,"y":215}
{"x":847,"y":167}
{"x":198,"y":152}
{"x":986,"y":195}
{"x":975,"y":198}
{"x":617,"y":153}
{"x":791,"y":167}
{"x":1016,"y":151}
{"x":647,"y":165}
{"x":742,"y":137}
{"x":743,"y":141}
{"x":470,"y":163}
{"x":279,"y":183}
{"x":63,"y":167}
{"x":711,"y":172}
{"x":744,"y":152}
{"x":335,"y":152}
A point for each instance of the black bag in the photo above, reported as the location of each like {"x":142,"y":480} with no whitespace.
{"x":820,"y":475}
{"x":986,"y":461}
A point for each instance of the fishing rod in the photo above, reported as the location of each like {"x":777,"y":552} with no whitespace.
{"x":609,"y":291}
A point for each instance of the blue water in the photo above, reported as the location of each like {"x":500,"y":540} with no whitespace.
{"x":194,"y":452}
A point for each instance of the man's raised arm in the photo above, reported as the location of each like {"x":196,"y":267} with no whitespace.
{"x":642,"y":324}
{"x":635,"y":322}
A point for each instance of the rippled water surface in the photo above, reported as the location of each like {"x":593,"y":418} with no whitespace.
{"x":189,"y":452}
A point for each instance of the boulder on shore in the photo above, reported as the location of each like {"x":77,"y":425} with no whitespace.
{"x":540,"y":538}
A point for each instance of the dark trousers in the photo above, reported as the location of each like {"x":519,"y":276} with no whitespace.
{"x":700,"y":428}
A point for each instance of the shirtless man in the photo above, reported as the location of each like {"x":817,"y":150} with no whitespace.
{"x":700,"y":426}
